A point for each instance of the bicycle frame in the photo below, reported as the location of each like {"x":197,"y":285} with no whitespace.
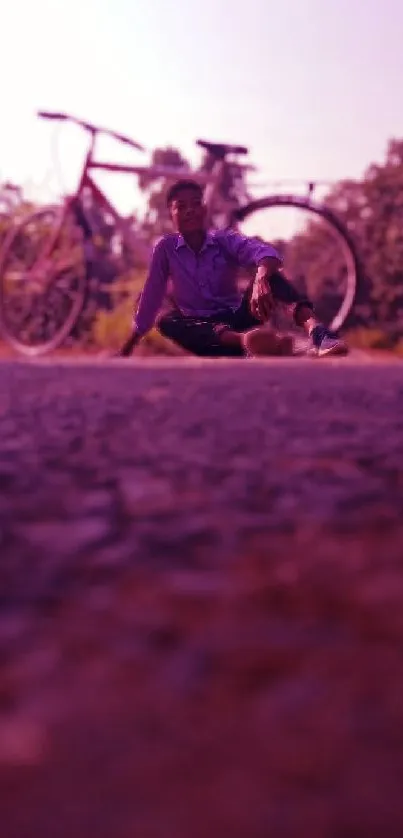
{"x":121,"y":224}
{"x":211,"y":181}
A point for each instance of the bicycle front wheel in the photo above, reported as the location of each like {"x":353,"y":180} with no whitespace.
{"x":42,"y":281}
{"x":319,"y":258}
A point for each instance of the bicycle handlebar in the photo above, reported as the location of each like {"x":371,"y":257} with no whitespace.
{"x":88,"y":126}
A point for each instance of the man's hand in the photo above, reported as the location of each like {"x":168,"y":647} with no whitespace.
{"x":262,"y":302}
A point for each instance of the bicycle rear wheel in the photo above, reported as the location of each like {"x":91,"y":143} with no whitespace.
{"x":42,"y":281}
{"x":332,"y":274}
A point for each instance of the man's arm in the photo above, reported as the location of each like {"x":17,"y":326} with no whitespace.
{"x":150,"y":299}
{"x":248,"y":252}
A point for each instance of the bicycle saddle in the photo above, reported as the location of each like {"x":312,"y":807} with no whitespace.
{"x":220,"y":150}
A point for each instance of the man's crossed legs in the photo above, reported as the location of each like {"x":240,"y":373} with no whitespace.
{"x":238,"y":333}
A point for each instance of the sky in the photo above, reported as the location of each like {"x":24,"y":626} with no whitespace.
{"x":312,"y":87}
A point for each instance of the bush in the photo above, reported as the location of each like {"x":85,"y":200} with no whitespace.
{"x":371,"y":338}
{"x":111,"y":329}
{"x":398,"y":348}
{"x":110,"y":324}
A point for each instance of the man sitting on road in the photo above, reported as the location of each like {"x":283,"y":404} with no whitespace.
{"x":211,"y":318}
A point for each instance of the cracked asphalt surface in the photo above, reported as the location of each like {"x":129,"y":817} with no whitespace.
{"x":201,"y":588}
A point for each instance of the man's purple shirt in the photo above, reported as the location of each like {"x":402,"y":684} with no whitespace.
{"x":203,"y":283}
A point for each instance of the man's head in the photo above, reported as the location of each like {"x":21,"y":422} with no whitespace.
{"x":186,"y":206}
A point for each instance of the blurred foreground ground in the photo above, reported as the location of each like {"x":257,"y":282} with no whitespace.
{"x":201,"y":582}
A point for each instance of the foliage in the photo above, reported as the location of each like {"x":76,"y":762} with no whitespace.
{"x":364,"y":337}
{"x":108,"y":311}
{"x":372,"y":210}
{"x":110,"y":330}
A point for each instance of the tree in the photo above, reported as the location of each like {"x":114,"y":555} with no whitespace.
{"x":372,"y":211}
{"x":231,"y":190}
{"x":156,"y":222}
{"x":381,"y":237}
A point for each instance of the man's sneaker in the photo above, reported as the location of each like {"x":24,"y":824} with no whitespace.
{"x":324,"y":342}
{"x":264,"y":341}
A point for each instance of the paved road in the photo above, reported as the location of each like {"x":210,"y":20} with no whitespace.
{"x":200,"y":588}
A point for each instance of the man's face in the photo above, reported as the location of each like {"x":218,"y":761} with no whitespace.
{"x":188,"y":212}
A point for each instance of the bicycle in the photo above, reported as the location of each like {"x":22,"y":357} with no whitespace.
{"x":46,"y":261}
